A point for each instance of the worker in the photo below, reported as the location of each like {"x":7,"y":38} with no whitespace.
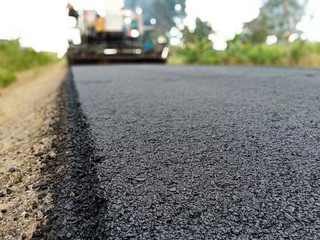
{"x":99,"y":27}
{"x":72,"y":12}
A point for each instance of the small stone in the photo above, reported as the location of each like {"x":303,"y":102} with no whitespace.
{"x":24,"y":214}
{"x":173,"y":189}
{"x":68,"y":206}
{"x":34,"y":205}
{"x":289,"y":217}
{"x":52,"y":154}
{"x":141,"y":179}
{"x":12,"y":170}
{"x":2,"y":194}
{"x":40,"y":216}
{"x":9,"y":191}
{"x":42,"y":195}
{"x":158,"y":214}
{"x":291,"y":209}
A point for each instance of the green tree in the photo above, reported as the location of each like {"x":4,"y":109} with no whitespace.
{"x":201,"y":32}
{"x":197,"y":41}
{"x":279,"y":18}
{"x":257,"y":30}
{"x":284,"y":15}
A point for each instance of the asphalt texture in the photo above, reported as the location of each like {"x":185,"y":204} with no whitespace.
{"x":197,"y":152}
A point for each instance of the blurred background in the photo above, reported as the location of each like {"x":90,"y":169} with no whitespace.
{"x":247,"y":32}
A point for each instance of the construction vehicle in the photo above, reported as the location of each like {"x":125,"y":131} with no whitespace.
{"x":125,"y":38}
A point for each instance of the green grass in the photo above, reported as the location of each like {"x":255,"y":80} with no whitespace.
{"x":14,"y":58}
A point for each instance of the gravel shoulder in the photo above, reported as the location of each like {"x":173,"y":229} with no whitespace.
{"x":28,"y":117}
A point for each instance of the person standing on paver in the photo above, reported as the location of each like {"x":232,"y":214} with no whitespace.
{"x":72,"y":12}
{"x":99,"y":27}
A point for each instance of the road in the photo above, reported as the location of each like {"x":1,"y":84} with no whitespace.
{"x":199,"y":152}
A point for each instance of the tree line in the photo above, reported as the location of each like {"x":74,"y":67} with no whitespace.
{"x":277,"y":19}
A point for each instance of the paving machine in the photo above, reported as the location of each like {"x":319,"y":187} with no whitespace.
{"x":124,"y":38}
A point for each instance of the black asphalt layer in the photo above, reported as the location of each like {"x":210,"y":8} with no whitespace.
{"x":201,"y":152}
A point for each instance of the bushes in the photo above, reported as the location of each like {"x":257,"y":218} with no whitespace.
{"x":6,"y":77}
{"x":14,"y":58}
{"x":302,"y":53}
{"x":267,"y":54}
{"x":199,"y":52}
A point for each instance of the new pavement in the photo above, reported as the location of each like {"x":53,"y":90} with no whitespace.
{"x":201,"y":152}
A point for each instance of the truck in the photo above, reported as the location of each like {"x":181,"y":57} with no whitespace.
{"x":124,"y":39}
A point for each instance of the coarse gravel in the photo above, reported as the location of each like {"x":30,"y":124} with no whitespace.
{"x":202,"y":152}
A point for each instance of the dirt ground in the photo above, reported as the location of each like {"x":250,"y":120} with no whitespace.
{"x":27,"y":113}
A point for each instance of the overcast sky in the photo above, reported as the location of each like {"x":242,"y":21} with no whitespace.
{"x":43,"y":24}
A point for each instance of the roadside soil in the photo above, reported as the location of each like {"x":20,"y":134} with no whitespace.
{"x":29,"y":113}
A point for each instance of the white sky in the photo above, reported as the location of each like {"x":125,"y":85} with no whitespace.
{"x":218,"y":13}
{"x":40,"y":24}
{"x":43,"y":24}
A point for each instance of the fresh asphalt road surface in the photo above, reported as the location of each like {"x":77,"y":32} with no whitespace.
{"x":199,"y":152}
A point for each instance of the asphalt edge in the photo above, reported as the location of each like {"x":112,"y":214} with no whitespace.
{"x":76,"y":197}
